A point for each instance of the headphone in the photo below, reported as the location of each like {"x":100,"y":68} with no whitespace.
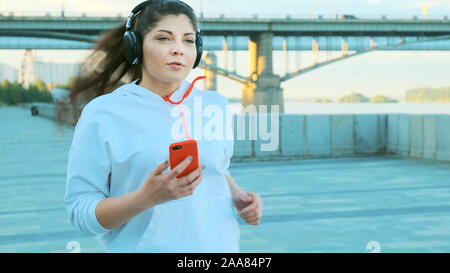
{"x":132,"y":40}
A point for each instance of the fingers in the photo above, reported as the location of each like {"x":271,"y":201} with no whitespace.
{"x":190,"y":188}
{"x":246,"y":213}
{"x":247,"y":198}
{"x":250,"y":208}
{"x":180,"y":167}
{"x":253,"y":219}
{"x":185,"y":186}
{"x":160,"y":168}
{"x":255,"y":222}
{"x":253,"y":212}
{"x":254,"y":205}
{"x":186,"y":180}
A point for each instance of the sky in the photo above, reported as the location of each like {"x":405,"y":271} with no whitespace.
{"x":307,"y":7}
{"x":389,"y":73}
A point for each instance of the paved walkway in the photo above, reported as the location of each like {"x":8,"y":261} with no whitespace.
{"x":314,"y":205}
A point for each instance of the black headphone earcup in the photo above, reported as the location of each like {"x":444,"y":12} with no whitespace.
{"x":138,"y":48}
{"x":199,"y":46}
{"x":132,"y":44}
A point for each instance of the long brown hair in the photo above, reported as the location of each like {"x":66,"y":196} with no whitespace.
{"x":106,"y":68}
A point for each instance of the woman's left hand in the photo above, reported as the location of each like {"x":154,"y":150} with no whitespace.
{"x":249,"y":206}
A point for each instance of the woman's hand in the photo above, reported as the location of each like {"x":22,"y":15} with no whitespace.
{"x":249,"y":206}
{"x":159,"y":188}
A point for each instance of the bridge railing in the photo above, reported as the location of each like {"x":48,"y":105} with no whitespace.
{"x":293,"y":16}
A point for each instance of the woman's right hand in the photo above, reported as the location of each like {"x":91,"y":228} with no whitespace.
{"x":159,"y":188}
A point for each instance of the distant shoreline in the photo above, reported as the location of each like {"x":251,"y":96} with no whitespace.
{"x":236,"y":100}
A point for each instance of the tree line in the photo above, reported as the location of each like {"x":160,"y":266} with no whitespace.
{"x":356,"y":97}
{"x":13,"y":93}
{"x":428,"y":95}
{"x":413,"y":95}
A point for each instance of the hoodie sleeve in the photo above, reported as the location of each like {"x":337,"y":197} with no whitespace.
{"x":88,"y":171}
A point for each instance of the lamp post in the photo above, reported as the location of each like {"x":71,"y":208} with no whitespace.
{"x":201,"y":8}
{"x":62,"y":7}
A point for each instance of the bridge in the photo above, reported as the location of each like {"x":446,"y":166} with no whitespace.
{"x":260,"y":36}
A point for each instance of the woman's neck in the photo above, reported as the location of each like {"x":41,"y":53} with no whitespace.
{"x":160,"y":88}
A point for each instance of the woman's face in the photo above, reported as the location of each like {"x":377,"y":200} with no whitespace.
{"x":171,"y":40}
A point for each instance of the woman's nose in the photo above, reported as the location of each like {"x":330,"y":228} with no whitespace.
{"x":176,"y":51}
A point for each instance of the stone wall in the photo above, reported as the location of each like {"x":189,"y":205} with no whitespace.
{"x":323,"y":135}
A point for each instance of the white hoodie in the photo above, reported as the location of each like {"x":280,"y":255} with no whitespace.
{"x":120,"y":138}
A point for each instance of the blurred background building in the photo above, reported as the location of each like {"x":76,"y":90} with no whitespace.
{"x":8,"y":72}
{"x":32,"y":68}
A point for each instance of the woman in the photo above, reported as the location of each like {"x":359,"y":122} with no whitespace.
{"x":117,"y":187}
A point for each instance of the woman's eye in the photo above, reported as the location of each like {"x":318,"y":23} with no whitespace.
{"x":165,"y":38}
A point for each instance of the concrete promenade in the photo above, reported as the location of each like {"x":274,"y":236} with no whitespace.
{"x":310,"y":205}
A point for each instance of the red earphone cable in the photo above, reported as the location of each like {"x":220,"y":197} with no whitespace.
{"x":178,"y":104}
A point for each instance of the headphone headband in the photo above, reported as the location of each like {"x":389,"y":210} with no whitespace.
{"x":136,"y":9}
{"x":133,"y":41}
{"x":142,"y":5}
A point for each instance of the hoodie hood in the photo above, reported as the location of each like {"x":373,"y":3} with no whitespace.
{"x":149,"y":94}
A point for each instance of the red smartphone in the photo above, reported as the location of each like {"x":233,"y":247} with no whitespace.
{"x":178,"y":151}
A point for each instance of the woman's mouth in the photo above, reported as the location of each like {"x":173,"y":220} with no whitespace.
{"x":176,"y":65}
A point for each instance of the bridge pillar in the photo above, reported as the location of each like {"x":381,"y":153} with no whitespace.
{"x":211,"y":76}
{"x":267,"y":87}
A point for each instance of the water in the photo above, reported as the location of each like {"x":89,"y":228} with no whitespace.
{"x":293,"y":107}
